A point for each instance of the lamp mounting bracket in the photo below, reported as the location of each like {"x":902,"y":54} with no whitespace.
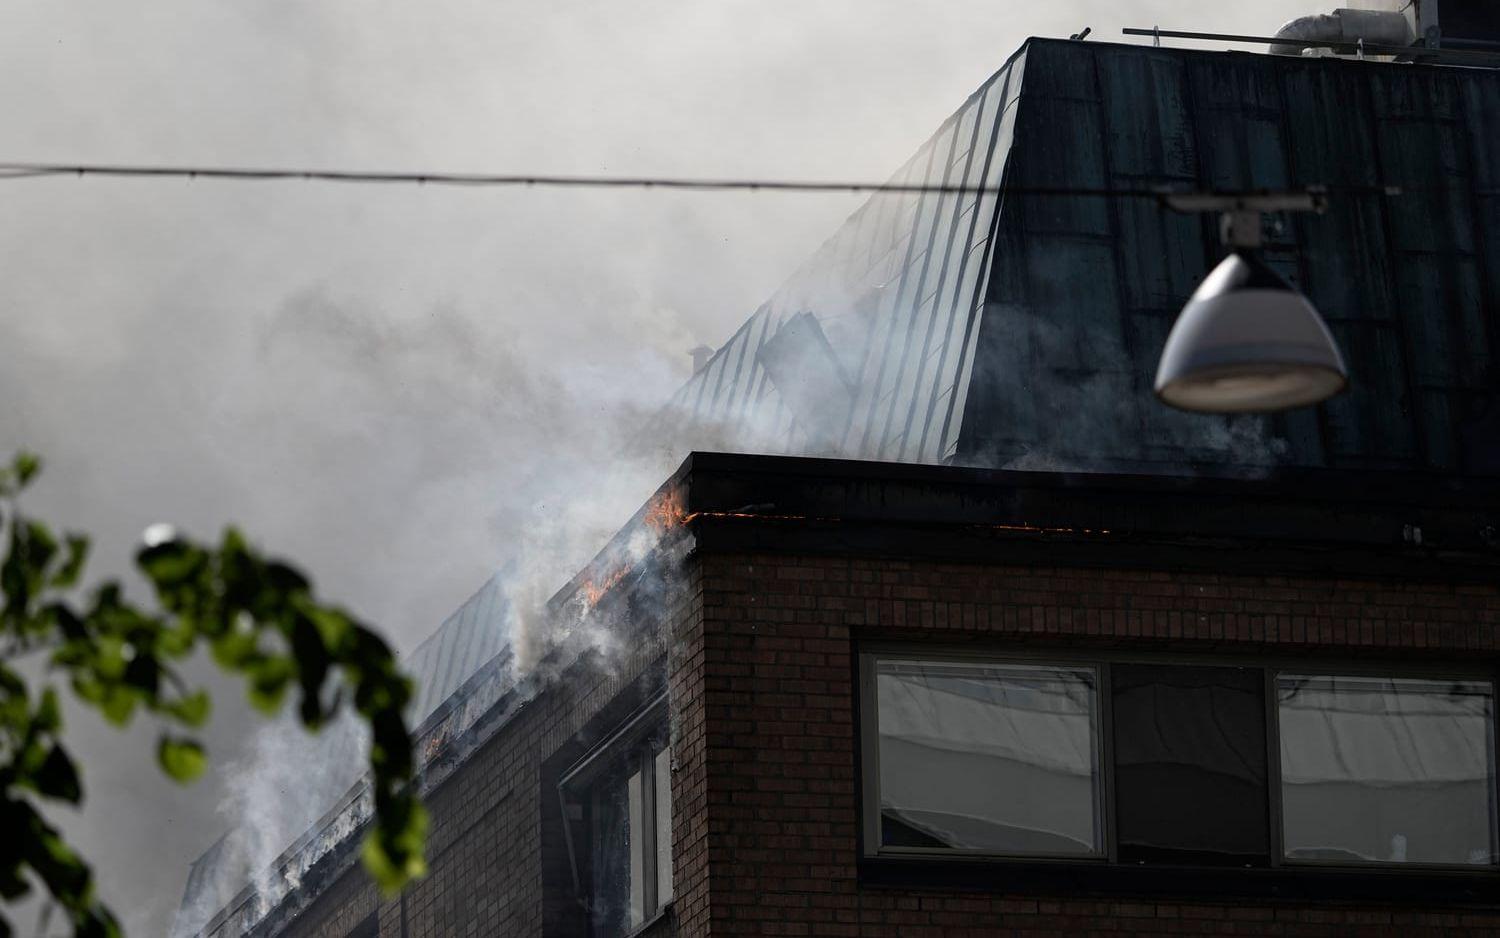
{"x":1240,"y":224}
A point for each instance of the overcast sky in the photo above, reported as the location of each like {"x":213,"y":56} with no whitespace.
{"x":390,"y":384}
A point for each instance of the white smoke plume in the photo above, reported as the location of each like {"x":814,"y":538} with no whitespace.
{"x":396,"y":387}
{"x":278,"y":789}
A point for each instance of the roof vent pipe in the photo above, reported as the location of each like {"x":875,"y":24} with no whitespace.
{"x":1376,"y":27}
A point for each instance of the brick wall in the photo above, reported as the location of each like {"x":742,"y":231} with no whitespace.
{"x":763,"y":686}
{"x":760,"y":667}
{"x":485,"y":848}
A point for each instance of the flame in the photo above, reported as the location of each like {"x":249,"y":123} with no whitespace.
{"x":666,"y":511}
{"x":593,"y":590}
{"x":1043,"y":529}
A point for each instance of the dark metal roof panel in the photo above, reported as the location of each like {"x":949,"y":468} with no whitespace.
{"x":1025,"y":330}
{"x":896,"y":291}
{"x":1085,"y":289}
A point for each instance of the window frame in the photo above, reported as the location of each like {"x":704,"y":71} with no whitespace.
{"x":1322,"y":668}
{"x":867,"y":653}
{"x":869,"y":754}
{"x":626,"y":745}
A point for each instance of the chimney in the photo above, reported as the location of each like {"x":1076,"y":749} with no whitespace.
{"x":701,"y":355}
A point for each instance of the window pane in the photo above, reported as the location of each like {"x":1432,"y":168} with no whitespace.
{"x":637,"y":851}
{"x":1387,"y":770}
{"x":663,"y":776}
{"x":1190,"y":736}
{"x":988,"y":757}
{"x":610,"y":838}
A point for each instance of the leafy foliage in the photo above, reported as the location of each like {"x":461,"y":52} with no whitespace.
{"x":256,"y":615}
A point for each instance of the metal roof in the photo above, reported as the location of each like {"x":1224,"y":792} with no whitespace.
{"x":896,"y":293}
{"x":1025,"y":330}
{"x":467,"y":640}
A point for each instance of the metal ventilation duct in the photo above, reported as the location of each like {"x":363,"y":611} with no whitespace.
{"x":1376,"y":27}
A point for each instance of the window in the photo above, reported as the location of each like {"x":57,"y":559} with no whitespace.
{"x":617,"y":807}
{"x":1190,"y":736}
{"x":1153,"y":761}
{"x":1386,"y":770}
{"x":986,"y":758}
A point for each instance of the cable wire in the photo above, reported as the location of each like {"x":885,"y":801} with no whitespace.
{"x":1161,"y":193}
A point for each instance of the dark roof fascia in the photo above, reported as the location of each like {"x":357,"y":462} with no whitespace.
{"x":1315,"y":522}
{"x":1284,"y":60}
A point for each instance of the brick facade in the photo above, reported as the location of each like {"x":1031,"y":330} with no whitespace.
{"x":759,"y":650}
{"x":778,"y":637}
{"x":484,"y":847}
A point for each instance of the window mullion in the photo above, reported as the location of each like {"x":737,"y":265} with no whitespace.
{"x":647,"y":846}
{"x":1105,"y":752}
{"x":1273,"y":769}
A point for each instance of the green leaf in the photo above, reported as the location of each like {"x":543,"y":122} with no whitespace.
{"x":109,"y":656}
{"x":118,"y":704}
{"x":143,"y":672}
{"x":23,"y":573}
{"x":333,"y":625}
{"x":182,"y":759}
{"x":59,"y":867}
{"x":48,"y":714}
{"x":58,"y":777}
{"x":269,"y":679}
{"x":394,"y":858}
{"x":12,"y":886}
{"x":260,"y":619}
{"x":234,"y":648}
{"x":41,"y":546}
{"x":68,"y":622}
{"x":26,"y":466}
{"x":192,"y":709}
{"x":89,"y":689}
{"x":177,"y":641}
{"x":77,"y":554}
{"x":170,"y":563}
{"x":285,"y":579}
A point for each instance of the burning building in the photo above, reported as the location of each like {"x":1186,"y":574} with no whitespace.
{"x":994,"y":644}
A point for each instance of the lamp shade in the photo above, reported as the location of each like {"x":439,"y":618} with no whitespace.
{"x":1248,"y":342}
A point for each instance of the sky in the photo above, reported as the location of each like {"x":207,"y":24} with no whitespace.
{"x":401,"y":388}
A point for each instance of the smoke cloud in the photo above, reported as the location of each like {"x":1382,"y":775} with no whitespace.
{"x":404,"y":388}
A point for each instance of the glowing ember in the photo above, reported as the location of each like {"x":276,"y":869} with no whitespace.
{"x":593,"y":590}
{"x":666,"y":511}
{"x":1043,"y":529}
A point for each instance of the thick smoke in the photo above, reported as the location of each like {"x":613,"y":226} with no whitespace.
{"x":1095,"y":417}
{"x":595,"y":441}
{"x":277,"y":789}
{"x":473,"y":395}
{"x":399,"y":388}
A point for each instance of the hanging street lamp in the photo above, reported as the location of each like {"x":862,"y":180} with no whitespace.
{"x":1248,"y":341}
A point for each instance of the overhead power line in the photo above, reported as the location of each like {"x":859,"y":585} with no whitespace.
{"x":1160,"y":193}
